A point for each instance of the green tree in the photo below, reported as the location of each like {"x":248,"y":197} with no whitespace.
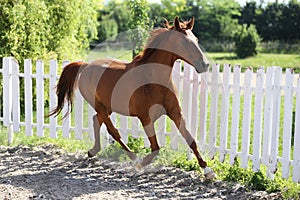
{"x":113,"y":18}
{"x":40,"y":29}
{"x":24,"y":29}
{"x":247,"y":41}
{"x":43,"y":29}
{"x":217,"y":19}
{"x":72,"y":24}
{"x":139,"y":23}
{"x":248,"y":13}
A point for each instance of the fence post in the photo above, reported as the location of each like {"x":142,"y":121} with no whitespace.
{"x":246,"y":118}
{"x":258,"y":110}
{"x":268,"y":112}
{"x":7,"y":97}
{"x":186,"y":98}
{"x":225,"y":111}
{"x":287,"y":123}
{"x":28,"y":96}
{"x":176,"y":78}
{"x":235,"y":114}
{"x":40,"y":98}
{"x":214,"y":109}
{"x":78,"y":117}
{"x":52,"y":97}
{"x":195,"y":108}
{"x":15,"y":95}
{"x":275,"y":123}
{"x":203,"y":110}
{"x":296,"y":164}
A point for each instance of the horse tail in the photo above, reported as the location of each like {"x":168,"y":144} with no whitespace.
{"x":66,"y":85}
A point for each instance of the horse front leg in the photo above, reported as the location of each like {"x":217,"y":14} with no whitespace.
{"x":176,"y":115}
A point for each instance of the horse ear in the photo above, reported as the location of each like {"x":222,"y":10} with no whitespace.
{"x":177,"y":23}
{"x":166,"y":24}
{"x":190,"y":24}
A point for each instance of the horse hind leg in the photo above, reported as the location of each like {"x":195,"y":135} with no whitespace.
{"x":97,"y":122}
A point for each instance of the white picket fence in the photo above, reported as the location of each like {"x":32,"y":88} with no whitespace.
{"x":251,"y":116}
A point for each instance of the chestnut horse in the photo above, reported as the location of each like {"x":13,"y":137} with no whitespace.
{"x":142,"y":88}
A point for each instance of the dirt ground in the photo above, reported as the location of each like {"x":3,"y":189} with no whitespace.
{"x":50,"y":173}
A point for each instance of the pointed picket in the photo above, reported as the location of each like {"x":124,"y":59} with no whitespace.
{"x":268,"y":112}
{"x":225,"y":111}
{"x":214,"y":109}
{"x":52,"y":97}
{"x":40,"y":98}
{"x":176,"y":78}
{"x":203,"y":110}
{"x":258,"y":113}
{"x":15,"y":95}
{"x":246,"y":118}
{"x":296,"y":163}
{"x":28,"y":96}
{"x":287,"y":120}
{"x":272,"y":168}
{"x":7,"y":96}
{"x":235,"y":114}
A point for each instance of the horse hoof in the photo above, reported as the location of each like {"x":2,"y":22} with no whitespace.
{"x":138,"y":164}
{"x":90,"y":155}
{"x":209,"y":174}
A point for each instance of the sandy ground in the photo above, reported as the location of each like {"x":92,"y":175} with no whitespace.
{"x":50,"y":173}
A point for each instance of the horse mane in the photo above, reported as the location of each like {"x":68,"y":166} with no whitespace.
{"x":155,"y":39}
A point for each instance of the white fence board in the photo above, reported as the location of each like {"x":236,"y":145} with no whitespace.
{"x":78,"y":114}
{"x":246,"y":118}
{"x":176,"y":78}
{"x":287,"y":127}
{"x":235,"y":114}
{"x":275,"y":123}
{"x":91,"y":113}
{"x":225,"y":111}
{"x":28,"y":96}
{"x":203,"y":110}
{"x":52,"y":97}
{"x":296,"y":163}
{"x":161,"y":136}
{"x":214,"y":109}
{"x":258,"y":113}
{"x":124,"y":128}
{"x":40,"y":98}
{"x":268,"y":112}
{"x":15,"y":96}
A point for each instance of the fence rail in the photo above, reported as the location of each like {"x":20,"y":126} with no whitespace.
{"x":253,"y":116}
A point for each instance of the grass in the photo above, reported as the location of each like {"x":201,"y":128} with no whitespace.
{"x":263,"y":59}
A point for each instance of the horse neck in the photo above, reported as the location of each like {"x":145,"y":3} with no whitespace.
{"x":162,"y":63}
{"x":162,"y":57}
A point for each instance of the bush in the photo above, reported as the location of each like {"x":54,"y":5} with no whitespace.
{"x":247,"y":41}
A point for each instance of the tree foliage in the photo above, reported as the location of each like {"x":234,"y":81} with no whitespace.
{"x":52,"y":28}
{"x":247,"y":41}
{"x":138,"y":23}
